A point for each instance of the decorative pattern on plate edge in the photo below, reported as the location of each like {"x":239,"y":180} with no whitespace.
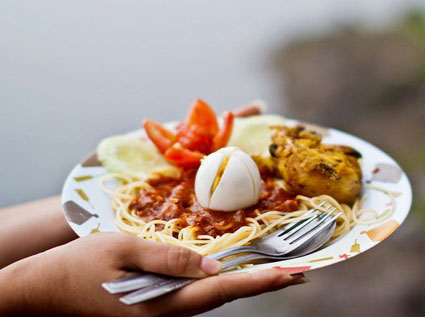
{"x":382,"y":231}
{"x":386,"y":173}
{"x":77,"y":214}
{"x":91,"y":161}
{"x":83,"y":178}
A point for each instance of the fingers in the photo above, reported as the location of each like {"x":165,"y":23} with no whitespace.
{"x":167,"y":259}
{"x":212,"y":292}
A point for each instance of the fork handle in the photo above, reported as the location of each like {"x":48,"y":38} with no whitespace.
{"x":228,"y":264}
{"x":232,"y":251}
{"x":137,"y":281}
{"x":173,"y":283}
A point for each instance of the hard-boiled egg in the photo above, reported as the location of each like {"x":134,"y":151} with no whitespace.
{"x":227,"y":180}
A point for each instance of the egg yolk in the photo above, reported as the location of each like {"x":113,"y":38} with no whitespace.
{"x":219,"y":174}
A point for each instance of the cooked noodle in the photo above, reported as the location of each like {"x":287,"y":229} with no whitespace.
{"x":172,"y":231}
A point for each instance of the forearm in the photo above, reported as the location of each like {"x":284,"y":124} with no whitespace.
{"x":24,"y":287}
{"x":31,"y":228}
{"x":12,"y":294}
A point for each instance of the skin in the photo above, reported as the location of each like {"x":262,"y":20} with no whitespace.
{"x":66,"y":279}
{"x":32,"y":228}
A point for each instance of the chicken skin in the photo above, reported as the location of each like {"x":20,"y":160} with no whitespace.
{"x":311,"y":168}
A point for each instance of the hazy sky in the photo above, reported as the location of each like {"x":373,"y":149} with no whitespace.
{"x":73,"y":72}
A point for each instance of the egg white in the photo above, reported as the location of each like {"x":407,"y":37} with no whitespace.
{"x":238,"y":187}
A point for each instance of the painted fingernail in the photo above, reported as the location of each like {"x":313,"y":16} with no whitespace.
{"x":299,"y":279}
{"x":210,"y":266}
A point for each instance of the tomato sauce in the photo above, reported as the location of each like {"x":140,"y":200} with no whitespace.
{"x":171,"y":198}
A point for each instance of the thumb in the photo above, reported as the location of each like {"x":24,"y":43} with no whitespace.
{"x":168,"y":259}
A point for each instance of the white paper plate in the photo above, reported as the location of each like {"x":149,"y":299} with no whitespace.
{"x":88,"y":209}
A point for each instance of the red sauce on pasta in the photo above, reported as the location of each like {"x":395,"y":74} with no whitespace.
{"x":171,"y":198}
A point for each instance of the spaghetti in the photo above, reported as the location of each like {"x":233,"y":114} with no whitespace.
{"x":257,"y":224}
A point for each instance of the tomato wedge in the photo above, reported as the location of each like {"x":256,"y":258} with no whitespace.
{"x":223,"y":136}
{"x":160,"y":136}
{"x":195,"y":138}
{"x":183,"y":157}
{"x":202,"y":115}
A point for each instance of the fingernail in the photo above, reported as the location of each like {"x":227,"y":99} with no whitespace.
{"x":299,"y":279}
{"x":210,"y":266}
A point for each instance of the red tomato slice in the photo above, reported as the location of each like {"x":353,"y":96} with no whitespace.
{"x":202,"y":115}
{"x":195,"y":138}
{"x":160,"y":136}
{"x":223,"y":136}
{"x":183,"y":157}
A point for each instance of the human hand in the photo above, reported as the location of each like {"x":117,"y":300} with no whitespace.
{"x":67,"y":279}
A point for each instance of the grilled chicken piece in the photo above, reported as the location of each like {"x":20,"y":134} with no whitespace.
{"x":311,"y":168}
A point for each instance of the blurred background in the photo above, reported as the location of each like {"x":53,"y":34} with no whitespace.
{"x":74,"y":72}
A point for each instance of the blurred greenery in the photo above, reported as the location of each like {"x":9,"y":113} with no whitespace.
{"x":414,"y":26}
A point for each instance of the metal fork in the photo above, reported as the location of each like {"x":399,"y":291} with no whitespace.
{"x":279,"y":243}
{"x":174,"y":283}
{"x":272,"y":244}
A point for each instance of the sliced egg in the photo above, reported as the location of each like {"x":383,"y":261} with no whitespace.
{"x":227,"y":180}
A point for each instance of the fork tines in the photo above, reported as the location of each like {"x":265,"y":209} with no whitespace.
{"x":323,"y":219}
{"x":295,"y":224}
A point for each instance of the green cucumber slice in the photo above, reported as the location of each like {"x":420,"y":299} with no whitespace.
{"x":133,"y":157}
{"x":253,"y":134}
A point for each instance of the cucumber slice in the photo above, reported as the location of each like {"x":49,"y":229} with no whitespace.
{"x":133,"y":157}
{"x":253,"y":134}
